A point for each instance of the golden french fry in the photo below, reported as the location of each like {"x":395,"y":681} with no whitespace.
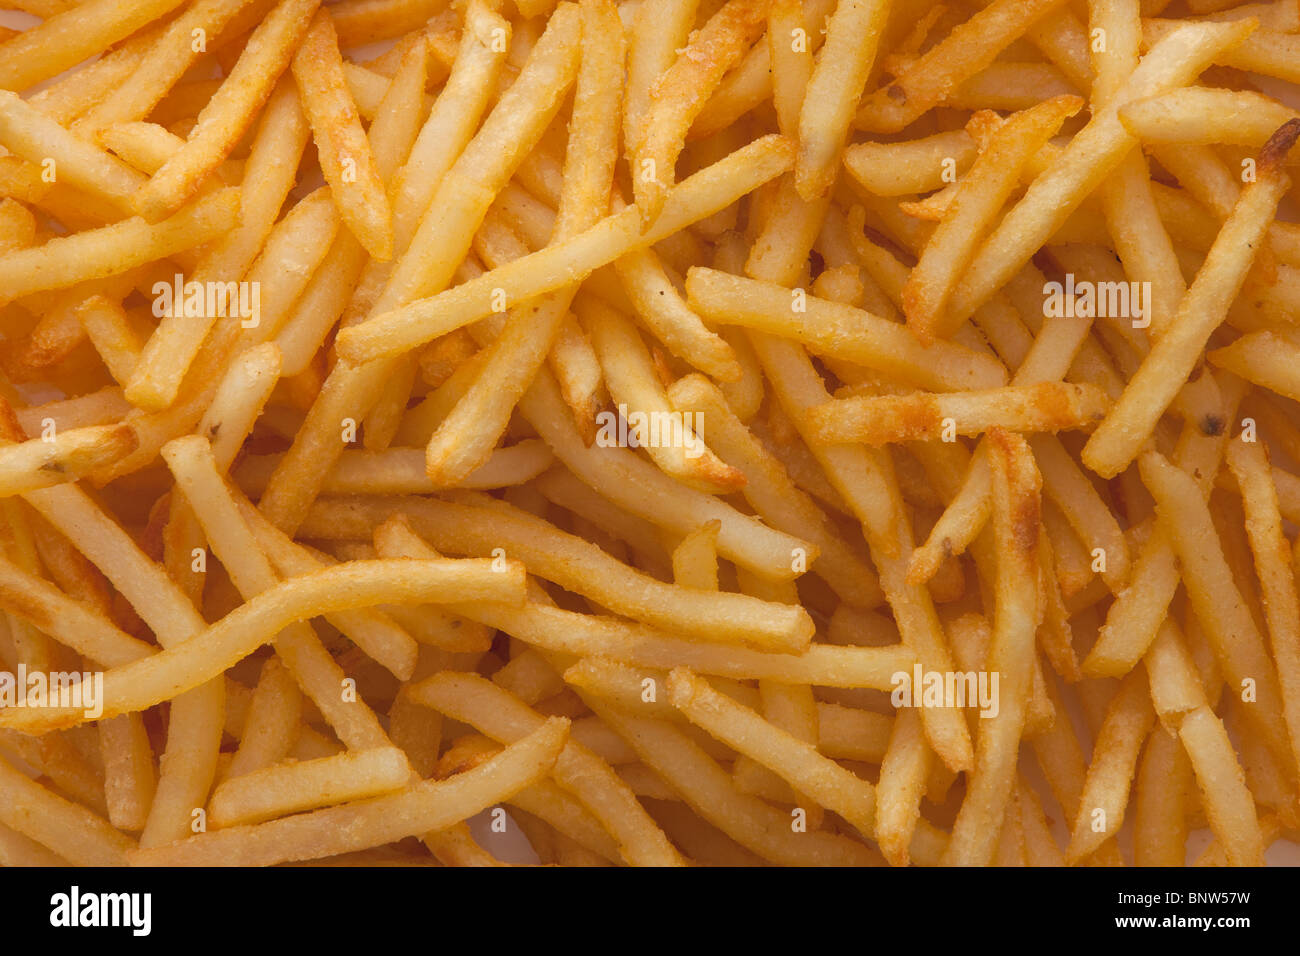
{"x":345,"y":156}
{"x":230,"y":111}
{"x":141,"y":684}
{"x":922,"y":416}
{"x":680,"y":93}
{"x":960,"y":55}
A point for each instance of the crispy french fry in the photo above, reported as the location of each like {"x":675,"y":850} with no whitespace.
{"x":961,"y":54}
{"x":345,"y":156}
{"x":680,"y":93}
{"x":922,"y":416}
{"x":230,"y":112}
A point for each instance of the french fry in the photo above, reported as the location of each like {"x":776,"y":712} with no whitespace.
{"x":278,"y":791}
{"x":1268,"y":51}
{"x":70,"y":35}
{"x":556,"y":630}
{"x":273,"y":723}
{"x":29,"y":133}
{"x":912,"y":166}
{"x":1016,"y":484}
{"x":110,"y":331}
{"x":1264,"y":358}
{"x":463,"y":197}
{"x":401,"y":471}
{"x":360,"y":22}
{"x":61,"y":457}
{"x":1241,"y":117}
{"x":18,"y":850}
{"x":426,"y":625}
{"x":798,"y":762}
{"x":1249,"y":464}
{"x":708,"y":789}
{"x":791,"y":67}
{"x":1118,"y":439}
{"x":161,"y":67}
{"x":136,"y":686}
{"x":69,"y":829}
{"x":903,"y":773}
{"x":1086,"y":162}
{"x":344,"y":151}
{"x":766,"y":551}
{"x":577,"y":769}
{"x":1160,"y":810}
{"x":421,"y":808}
{"x":230,"y":112}
{"x":853,"y":35}
{"x":112,"y":250}
{"x":825,"y":327}
{"x":277,"y":148}
{"x":680,"y":93}
{"x":960,"y":55}
{"x":578,"y":565}
{"x":769,"y":489}
{"x":66,"y":620}
{"x":1141,"y":240}
{"x":658,"y":30}
{"x":979,"y":197}
{"x":630,"y":375}
{"x":558,"y":265}
{"x":1115,"y":753}
{"x":1219,"y":606}
{"x":192,"y":460}
{"x":922,"y":416}
{"x":1227,"y":802}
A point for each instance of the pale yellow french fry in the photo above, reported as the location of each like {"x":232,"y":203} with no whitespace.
{"x":1228,"y":804}
{"x":112,"y":250}
{"x":69,"y":829}
{"x":853,"y":34}
{"x":280,"y":790}
{"x":71,"y":35}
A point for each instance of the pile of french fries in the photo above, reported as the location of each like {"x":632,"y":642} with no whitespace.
{"x":434,"y":420}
